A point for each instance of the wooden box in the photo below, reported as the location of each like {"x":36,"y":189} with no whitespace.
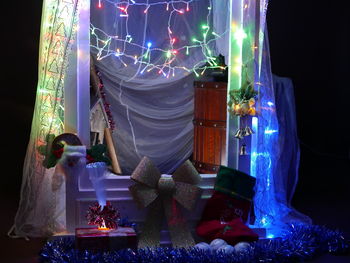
{"x":210,"y":111}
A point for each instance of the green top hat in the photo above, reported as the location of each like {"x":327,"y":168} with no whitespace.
{"x":235,"y":183}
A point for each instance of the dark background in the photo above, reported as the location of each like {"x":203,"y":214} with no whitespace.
{"x":309,"y":43}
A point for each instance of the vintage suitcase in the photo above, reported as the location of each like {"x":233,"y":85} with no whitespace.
{"x":210,"y":111}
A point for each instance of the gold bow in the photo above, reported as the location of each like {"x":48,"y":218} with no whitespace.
{"x":162,"y":194}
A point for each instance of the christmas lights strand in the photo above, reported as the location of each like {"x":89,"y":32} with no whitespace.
{"x":131,"y":2}
{"x":105,"y":51}
{"x":102,"y":42}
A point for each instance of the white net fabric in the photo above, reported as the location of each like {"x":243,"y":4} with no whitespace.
{"x":41,"y":210}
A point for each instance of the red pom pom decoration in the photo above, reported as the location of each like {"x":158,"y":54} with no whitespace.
{"x":105,"y":218}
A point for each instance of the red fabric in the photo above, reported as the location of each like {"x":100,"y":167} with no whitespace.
{"x":58,"y":153}
{"x":232,"y":232}
{"x":89,"y":159}
{"x":225,"y":208}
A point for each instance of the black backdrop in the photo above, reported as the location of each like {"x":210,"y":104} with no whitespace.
{"x":309,"y":43}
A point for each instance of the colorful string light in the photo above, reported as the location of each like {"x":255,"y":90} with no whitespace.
{"x":165,"y":64}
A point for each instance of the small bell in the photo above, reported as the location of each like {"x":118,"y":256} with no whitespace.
{"x":243,"y":150}
{"x":248,"y":131}
{"x":238,"y":134}
{"x":243,"y":133}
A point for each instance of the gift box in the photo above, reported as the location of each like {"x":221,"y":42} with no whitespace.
{"x":105,"y":239}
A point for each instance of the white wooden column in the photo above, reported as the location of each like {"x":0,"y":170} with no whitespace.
{"x":234,"y":79}
{"x":244,"y":47}
{"x":77,"y":86}
{"x":77,"y":102}
{"x":83,"y":73}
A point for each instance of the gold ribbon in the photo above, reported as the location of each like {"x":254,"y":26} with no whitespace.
{"x":162,"y":194}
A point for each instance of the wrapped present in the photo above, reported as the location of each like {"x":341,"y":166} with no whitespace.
{"x":105,"y":239}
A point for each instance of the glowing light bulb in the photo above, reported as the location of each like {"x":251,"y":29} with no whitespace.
{"x":239,"y":35}
{"x":237,"y":69}
{"x":99,"y":4}
{"x":187,"y":7}
{"x":103,"y":226}
{"x":146,"y":10}
{"x":149,"y":44}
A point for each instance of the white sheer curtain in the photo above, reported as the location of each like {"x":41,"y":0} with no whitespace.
{"x":153,"y":111}
{"x":41,"y":210}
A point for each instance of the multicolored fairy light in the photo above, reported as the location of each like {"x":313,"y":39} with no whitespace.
{"x":165,"y":64}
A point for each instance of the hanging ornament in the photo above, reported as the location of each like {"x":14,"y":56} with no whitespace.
{"x":243,"y":150}
{"x":242,"y":101}
{"x":243,"y":108}
{"x":243,"y":132}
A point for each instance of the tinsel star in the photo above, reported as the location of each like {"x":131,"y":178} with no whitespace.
{"x":103,"y":218}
